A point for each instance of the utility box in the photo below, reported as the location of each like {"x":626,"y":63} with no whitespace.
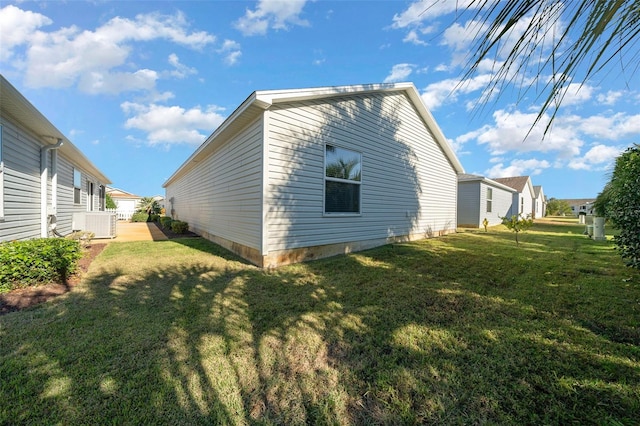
{"x":102,"y":224}
{"x":598,"y":229}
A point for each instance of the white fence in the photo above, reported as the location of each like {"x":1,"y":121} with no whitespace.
{"x":122,"y":214}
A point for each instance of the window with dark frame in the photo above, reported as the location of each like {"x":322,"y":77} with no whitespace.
{"x":342,"y":180}
{"x":77,"y":186}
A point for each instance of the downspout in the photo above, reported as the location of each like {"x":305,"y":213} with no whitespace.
{"x":44,"y":214}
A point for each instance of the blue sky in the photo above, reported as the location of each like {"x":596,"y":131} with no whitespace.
{"x":139,"y":85}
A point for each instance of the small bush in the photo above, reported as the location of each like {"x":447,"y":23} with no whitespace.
{"x":165,"y":222}
{"x":155,"y":217}
{"x":139,"y":217}
{"x":179,"y":227}
{"x":43,"y":260}
{"x":84,"y":237}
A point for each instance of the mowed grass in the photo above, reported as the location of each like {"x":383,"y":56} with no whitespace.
{"x":462,"y":329}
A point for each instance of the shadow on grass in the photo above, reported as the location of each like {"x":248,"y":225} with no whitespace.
{"x":432,"y":332}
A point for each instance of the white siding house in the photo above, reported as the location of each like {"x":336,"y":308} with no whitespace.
{"x":44,"y":178}
{"x":126,"y":202}
{"x":480,"y":198}
{"x":539,"y":202}
{"x":293,"y":175}
{"x":523,"y":198}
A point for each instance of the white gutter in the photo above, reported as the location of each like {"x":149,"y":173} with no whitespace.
{"x":44,"y":214}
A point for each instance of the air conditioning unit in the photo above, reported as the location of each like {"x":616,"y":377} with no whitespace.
{"x":102,"y":224}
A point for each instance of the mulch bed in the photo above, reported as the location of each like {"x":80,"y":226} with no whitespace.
{"x":22,"y":298}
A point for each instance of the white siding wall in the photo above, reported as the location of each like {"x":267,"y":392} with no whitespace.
{"x":22,"y":203}
{"x":66,"y":207}
{"x":21,"y":156}
{"x":527,"y":195}
{"x":472,"y":203}
{"x":408,"y":185}
{"x":501,"y":205}
{"x":222,"y":195}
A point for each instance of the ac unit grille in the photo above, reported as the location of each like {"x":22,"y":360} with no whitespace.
{"x":102,"y":224}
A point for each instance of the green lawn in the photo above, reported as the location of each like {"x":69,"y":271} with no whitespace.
{"x":463,"y":329}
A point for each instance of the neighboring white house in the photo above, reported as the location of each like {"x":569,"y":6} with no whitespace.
{"x":480,"y":198}
{"x":126,"y":202}
{"x":300,"y":174}
{"x":581,"y":205}
{"x":539,"y":202}
{"x":44,"y":178}
{"x":523,"y":198}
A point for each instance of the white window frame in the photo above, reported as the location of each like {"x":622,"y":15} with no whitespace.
{"x":348,"y":181}
{"x":77,"y":187}
{"x":489,"y":199}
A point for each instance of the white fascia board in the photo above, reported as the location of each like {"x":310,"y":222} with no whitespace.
{"x":414,"y":95}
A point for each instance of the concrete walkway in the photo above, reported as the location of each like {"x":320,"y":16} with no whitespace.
{"x":138,"y":231}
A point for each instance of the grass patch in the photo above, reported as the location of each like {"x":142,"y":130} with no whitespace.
{"x":463,"y":329}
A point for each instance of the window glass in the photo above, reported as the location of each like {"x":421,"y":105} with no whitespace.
{"x":342,"y":164}
{"x":77,"y":185}
{"x":489,"y":199}
{"x":343,"y":173}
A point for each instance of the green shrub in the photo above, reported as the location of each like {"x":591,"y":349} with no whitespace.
{"x":179,"y":227}
{"x":155,"y":217}
{"x":139,"y":217}
{"x":43,"y":260}
{"x":165,"y":222}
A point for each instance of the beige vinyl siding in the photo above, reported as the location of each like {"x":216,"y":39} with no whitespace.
{"x":408,"y":185}
{"x":222,"y":194}
{"x":21,"y":156}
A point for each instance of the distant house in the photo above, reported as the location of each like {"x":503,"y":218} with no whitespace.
{"x":300,"y":174}
{"x":480,"y":198}
{"x":44,"y":178}
{"x":581,"y":205}
{"x":539,"y":202}
{"x":126,"y":202}
{"x":523,"y":198}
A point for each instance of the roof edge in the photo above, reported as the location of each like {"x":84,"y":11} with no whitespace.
{"x":67,"y":147}
{"x":263,"y":99}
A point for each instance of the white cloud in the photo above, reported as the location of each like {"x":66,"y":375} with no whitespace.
{"x":413,"y":37}
{"x":94,"y":82}
{"x":180,"y":70}
{"x":597,"y":158}
{"x":94,"y":60}
{"x":513,"y":131}
{"x":399,"y":72}
{"x":611,"y":97}
{"x":423,"y":10}
{"x":17,"y":27}
{"x":613,"y":127}
{"x":168,"y":125}
{"x":459,"y":37}
{"x":271,"y":14}
{"x":436,"y":94}
{"x":231,"y":50}
{"x":576,"y":93}
{"x":518,"y":168}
